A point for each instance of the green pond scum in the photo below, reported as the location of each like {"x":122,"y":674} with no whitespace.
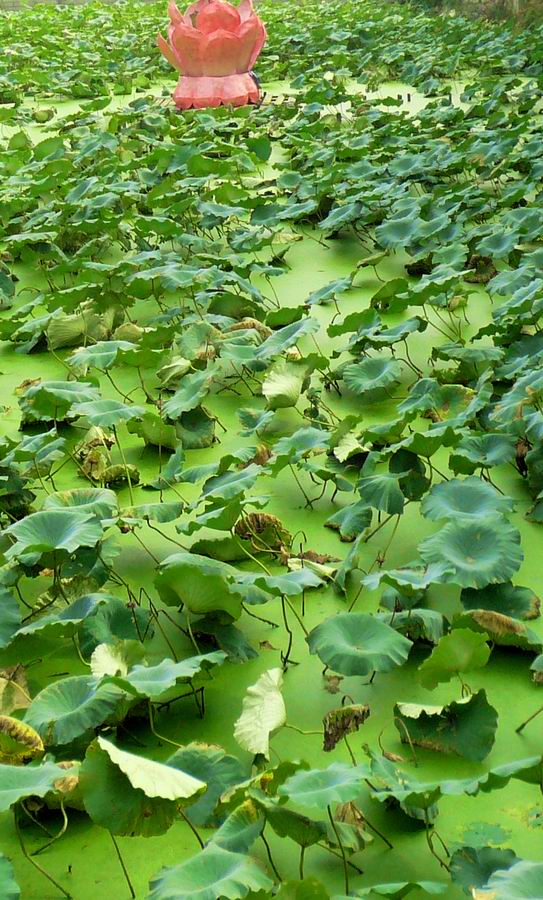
{"x":271,"y":461}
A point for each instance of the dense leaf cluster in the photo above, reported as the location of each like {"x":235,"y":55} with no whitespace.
{"x":175,"y":391}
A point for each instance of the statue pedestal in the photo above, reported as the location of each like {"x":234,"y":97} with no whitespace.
{"x":200,"y":91}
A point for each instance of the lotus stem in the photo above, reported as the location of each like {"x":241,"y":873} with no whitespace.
{"x":33,"y":862}
{"x":529,"y":719}
{"x":55,"y":837}
{"x":186,"y":819}
{"x":270,"y":857}
{"x":341,"y":848}
{"x":123,"y":867}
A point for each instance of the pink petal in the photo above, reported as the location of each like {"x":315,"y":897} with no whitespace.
{"x":174,"y":13}
{"x":245,"y":9}
{"x":252,"y":35}
{"x":187,"y":44}
{"x":217,"y":15}
{"x":220,"y":53}
{"x":167,"y":51}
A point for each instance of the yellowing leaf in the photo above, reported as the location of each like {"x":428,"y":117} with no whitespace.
{"x":19,"y":743}
{"x":263,"y":712}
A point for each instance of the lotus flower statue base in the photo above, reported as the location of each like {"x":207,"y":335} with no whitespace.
{"x":201,"y":91}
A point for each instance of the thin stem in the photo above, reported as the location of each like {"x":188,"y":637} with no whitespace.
{"x":285,"y":656}
{"x":300,"y":730}
{"x":270,"y":857}
{"x":301,"y":865}
{"x":191,"y":826}
{"x":529,"y":719}
{"x":56,"y":836}
{"x":349,"y":748}
{"x":33,"y":862}
{"x":341,"y":848}
{"x":123,"y":867}
{"x":296,"y":616}
{"x":155,"y":732}
{"x":377,"y":832}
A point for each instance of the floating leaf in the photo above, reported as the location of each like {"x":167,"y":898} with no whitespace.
{"x":457,"y":653}
{"x":465,"y":727}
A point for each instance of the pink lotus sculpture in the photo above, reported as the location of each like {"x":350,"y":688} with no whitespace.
{"x":214,"y":46}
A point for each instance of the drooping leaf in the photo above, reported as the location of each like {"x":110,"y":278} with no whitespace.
{"x":262,"y":714}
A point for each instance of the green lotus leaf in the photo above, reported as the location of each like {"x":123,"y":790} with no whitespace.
{"x":482,"y":450}
{"x":107,"y":413}
{"x":113,"y":619}
{"x":101,"y":355}
{"x":9,"y":889}
{"x":190,"y":393}
{"x":65,"y":621}
{"x":416,"y":624}
{"x":52,"y":400}
{"x":212,"y":873}
{"x":358,"y":644}
{"x":220,"y":771}
{"x":203,"y":585}
{"x":522,"y":881}
{"x":466,"y":727}
{"x":457,"y":653}
{"x":153,"y":778}
{"x":153,"y":681}
{"x":371,"y":374}
{"x":319,"y":788}
{"x":285,"y":337}
{"x":113,"y":803}
{"x":99,"y":501}
{"x":350,"y":521}
{"x":469,"y":498}
{"x":18,"y":782}
{"x":168,"y":511}
{"x":480,"y":553}
{"x":10,"y":616}
{"x":283,"y":386}
{"x":51,"y":531}
{"x":240,"y":830}
{"x":471,"y":867}
{"x":70,"y":707}
{"x":195,"y":429}
{"x":399,"y":889}
{"x":263,"y":713}
{"x":382,"y":492}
